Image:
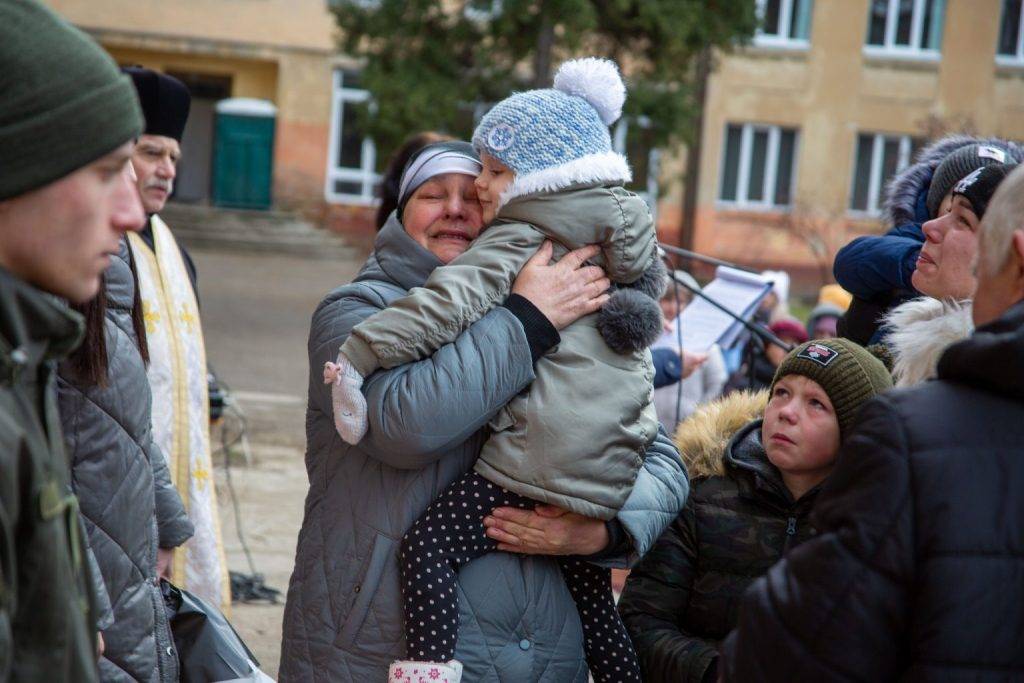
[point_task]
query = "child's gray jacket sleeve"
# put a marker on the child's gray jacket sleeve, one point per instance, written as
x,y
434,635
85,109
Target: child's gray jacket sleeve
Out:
x,y
455,296
634,245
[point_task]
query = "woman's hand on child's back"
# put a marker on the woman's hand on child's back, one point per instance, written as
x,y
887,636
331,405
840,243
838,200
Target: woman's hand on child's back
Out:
x,y
546,530
563,291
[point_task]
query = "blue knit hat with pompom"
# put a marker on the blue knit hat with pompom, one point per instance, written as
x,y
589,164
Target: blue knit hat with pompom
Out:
x,y
558,137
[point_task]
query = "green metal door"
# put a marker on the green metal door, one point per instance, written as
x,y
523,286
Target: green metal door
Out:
x,y
243,160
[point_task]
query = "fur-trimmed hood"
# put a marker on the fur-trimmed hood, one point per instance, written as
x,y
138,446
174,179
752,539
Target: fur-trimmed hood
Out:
x,y
702,438
905,194
919,331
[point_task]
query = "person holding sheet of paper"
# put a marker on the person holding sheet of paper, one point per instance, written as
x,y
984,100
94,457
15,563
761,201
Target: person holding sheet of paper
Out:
x,y
699,376
706,323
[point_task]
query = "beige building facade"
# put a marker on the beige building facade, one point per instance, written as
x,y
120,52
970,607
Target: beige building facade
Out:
x,y
277,51
804,126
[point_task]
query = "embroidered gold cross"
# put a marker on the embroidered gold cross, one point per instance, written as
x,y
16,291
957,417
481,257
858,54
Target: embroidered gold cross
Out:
x,y
187,318
201,475
150,317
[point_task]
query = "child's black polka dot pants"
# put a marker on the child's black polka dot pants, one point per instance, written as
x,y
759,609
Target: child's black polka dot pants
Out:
x,y
451,533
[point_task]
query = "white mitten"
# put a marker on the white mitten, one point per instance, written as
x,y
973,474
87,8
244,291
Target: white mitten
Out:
x,y
409,671
347,399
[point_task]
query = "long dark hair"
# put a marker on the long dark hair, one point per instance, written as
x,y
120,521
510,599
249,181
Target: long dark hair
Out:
x,y
89,360
396,164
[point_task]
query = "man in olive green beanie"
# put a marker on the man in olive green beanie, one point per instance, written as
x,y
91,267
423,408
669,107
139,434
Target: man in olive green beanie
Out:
x,y
848,373
64,101
68,120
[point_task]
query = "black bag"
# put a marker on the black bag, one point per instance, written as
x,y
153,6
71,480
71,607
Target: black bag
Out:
x,y
209,648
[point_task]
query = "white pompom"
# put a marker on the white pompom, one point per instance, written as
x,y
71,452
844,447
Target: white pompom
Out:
x,y
598,82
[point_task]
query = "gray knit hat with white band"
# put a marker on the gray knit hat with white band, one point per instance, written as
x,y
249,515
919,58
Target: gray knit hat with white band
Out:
x,y
438,158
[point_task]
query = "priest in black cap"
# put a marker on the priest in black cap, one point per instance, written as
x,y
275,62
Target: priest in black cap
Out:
x,y
165,104
177,357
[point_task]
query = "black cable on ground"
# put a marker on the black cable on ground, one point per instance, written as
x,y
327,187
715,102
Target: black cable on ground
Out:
x,y
244,587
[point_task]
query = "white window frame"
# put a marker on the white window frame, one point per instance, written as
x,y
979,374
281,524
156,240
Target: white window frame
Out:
x,y
770,168
875,188
1018,58
889,48
762,39
365,175
619,133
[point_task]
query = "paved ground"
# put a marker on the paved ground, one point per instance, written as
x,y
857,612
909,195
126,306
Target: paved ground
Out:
x,y
256,310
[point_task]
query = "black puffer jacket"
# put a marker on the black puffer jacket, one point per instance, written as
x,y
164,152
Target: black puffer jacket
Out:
x,y
918,572
127,500
684,596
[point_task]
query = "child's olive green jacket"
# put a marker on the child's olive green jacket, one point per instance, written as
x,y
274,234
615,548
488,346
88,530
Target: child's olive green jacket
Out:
x,y
584,392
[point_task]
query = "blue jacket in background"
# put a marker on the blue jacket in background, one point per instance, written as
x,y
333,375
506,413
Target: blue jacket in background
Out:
x,y
878,264
668,367
873,265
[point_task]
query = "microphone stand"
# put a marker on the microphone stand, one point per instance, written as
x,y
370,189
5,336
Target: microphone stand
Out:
x,y
686,253
759,330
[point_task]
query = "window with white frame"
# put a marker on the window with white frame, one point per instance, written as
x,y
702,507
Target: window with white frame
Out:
x,y
878,158
352,176
905,28
1011,38
758,165
784,23
633,138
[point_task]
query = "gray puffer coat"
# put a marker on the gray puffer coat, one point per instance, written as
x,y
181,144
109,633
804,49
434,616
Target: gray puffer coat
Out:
x,y
343,617
128,503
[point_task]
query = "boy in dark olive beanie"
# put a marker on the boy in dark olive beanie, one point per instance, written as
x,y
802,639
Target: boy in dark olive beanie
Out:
x,y
753,484
67,121
847,372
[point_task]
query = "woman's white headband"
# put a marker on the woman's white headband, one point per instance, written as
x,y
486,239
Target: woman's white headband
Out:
x,y
431,164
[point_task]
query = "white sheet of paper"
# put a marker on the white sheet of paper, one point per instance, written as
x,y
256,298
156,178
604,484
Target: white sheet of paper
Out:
x,y
704,325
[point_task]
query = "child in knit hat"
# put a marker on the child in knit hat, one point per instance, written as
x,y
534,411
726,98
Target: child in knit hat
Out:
x,y
755,471
575,437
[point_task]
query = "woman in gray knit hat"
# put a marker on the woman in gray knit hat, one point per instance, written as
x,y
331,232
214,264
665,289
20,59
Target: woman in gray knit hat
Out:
x,y
919,330
878,270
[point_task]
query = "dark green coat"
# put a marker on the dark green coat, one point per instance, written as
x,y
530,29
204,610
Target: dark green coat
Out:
x,y
683,597
46,631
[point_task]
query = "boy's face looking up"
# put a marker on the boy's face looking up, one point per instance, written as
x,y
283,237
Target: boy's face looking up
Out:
x,y
492,181
800,433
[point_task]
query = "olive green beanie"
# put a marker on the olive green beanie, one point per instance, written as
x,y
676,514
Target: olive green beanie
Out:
x,y
849,374
65,104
